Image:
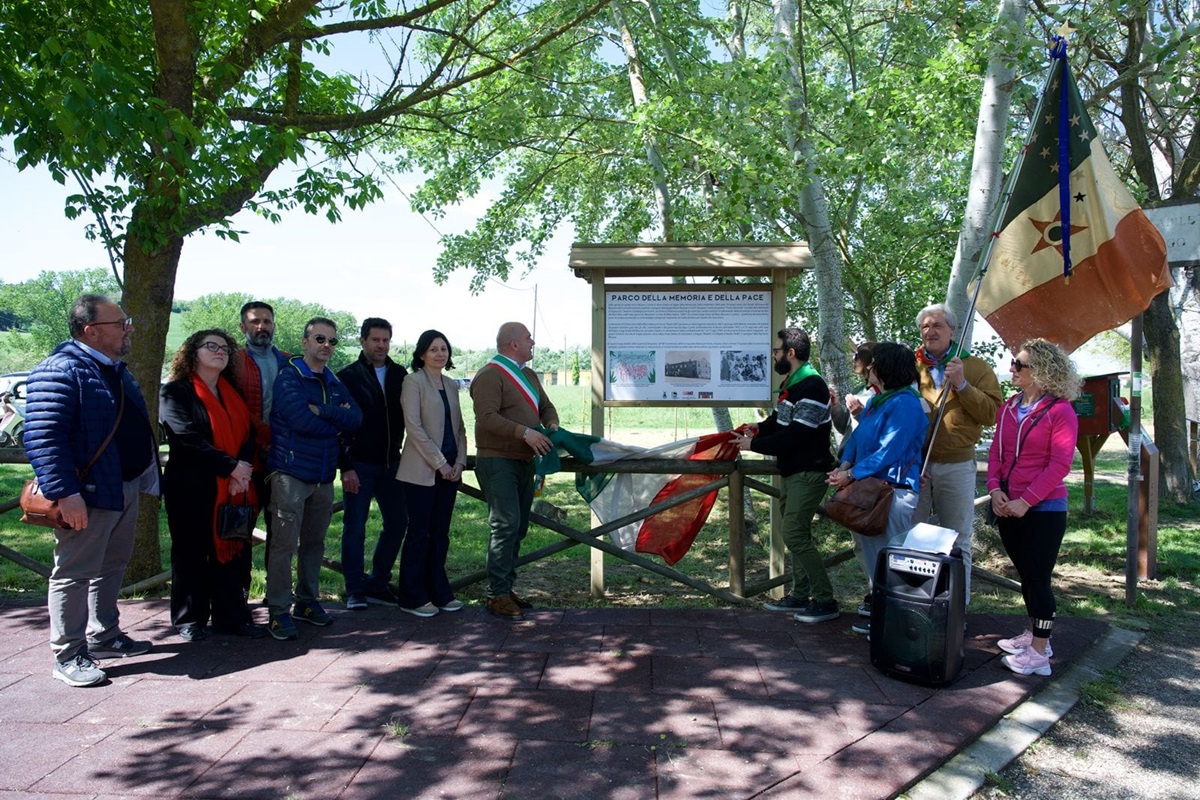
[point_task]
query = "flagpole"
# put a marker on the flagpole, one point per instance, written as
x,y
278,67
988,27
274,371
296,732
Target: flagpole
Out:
x,y
985,257
1006,199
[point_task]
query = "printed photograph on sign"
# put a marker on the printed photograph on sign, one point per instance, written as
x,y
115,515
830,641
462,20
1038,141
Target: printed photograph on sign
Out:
x,y
687,365
631,367
743,366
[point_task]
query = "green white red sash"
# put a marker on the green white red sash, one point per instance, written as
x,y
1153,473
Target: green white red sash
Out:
x,y
512,370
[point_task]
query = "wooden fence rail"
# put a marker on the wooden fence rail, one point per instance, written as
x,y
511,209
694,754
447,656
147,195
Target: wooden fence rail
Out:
x,y
731,475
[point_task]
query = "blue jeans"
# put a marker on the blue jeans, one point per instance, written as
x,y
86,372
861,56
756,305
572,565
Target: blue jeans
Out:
x,y
374,481
507,486
423,562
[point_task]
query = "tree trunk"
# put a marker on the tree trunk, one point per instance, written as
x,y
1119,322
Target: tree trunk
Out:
x,y
637,87
1166,380
814,208
148,295
985,188
1159,327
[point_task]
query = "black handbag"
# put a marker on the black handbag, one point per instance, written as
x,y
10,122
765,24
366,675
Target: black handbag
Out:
x,y
235,521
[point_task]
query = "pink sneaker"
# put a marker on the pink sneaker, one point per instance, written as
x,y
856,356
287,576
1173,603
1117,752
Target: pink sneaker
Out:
x,y
1028,662
1022,642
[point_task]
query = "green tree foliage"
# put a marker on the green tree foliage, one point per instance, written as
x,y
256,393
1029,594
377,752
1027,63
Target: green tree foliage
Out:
x,y
171,115
223,311
891,97
41,308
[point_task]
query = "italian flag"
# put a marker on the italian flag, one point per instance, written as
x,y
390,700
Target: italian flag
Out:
x,y
668,533
1076,256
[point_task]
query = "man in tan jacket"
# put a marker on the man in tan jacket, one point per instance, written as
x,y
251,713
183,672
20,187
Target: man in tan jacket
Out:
x,y
948,486
510,406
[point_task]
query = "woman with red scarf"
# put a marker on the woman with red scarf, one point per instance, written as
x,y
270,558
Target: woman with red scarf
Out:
x,y
211,448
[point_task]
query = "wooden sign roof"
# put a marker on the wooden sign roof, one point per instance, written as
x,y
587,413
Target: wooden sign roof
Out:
x,y
657,259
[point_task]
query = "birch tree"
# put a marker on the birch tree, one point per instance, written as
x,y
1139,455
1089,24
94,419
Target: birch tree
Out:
x,y
987,162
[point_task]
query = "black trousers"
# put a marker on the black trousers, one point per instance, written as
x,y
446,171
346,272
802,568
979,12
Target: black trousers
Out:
x,y
1033,542
202,588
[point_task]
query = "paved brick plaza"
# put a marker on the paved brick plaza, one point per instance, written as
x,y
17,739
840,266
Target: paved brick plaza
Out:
x,y
589,703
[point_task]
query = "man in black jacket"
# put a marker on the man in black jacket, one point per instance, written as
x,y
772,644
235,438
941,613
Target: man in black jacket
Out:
x,y
798,434
369,468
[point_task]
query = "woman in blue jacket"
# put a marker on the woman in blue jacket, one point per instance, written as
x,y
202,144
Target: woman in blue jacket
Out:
x,y
887,444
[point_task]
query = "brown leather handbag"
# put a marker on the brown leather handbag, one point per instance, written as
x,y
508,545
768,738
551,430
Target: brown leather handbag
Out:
x,y
37,509
861,506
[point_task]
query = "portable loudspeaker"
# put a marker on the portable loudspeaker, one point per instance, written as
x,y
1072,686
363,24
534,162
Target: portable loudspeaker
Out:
x,y
917,615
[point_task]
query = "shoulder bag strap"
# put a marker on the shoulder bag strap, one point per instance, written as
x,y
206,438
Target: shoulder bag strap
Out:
x,y
107,439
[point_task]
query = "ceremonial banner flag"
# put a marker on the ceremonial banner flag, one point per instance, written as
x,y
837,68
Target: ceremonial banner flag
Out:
x,y
1074,257
668,533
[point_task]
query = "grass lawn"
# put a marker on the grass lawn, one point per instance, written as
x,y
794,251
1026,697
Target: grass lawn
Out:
x,y
1089,579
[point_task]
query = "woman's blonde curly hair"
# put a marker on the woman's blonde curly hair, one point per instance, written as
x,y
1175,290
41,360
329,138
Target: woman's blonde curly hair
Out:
x,y
1052,369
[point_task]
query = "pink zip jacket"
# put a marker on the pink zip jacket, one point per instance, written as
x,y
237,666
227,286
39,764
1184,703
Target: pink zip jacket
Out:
x,y
1046,449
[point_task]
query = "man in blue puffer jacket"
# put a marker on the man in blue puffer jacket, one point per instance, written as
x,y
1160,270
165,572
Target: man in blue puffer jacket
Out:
x,y
310,410
84,405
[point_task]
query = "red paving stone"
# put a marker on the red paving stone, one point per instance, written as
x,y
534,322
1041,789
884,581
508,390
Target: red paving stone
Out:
x,y
611,704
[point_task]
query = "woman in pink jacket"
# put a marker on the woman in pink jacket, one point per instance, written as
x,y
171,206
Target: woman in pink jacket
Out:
x,y
1031,454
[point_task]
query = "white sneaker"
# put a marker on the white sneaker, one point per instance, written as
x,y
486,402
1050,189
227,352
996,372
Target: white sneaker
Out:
x,y
81,670
1023,642
1028,662
427,610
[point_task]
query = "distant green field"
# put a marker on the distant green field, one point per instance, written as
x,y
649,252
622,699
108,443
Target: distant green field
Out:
x,y
175,335
645,427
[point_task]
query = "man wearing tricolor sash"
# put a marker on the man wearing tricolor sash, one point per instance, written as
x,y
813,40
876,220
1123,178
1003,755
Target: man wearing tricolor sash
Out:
x,y
798,434
973,397
510,410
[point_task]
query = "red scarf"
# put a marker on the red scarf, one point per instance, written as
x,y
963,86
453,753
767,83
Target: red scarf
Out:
x,y
953,351
230,421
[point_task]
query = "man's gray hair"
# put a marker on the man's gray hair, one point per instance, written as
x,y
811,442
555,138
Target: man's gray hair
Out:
x,y
84,311
938,308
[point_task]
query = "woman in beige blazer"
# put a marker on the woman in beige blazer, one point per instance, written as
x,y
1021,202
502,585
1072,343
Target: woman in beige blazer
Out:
x,y
431,466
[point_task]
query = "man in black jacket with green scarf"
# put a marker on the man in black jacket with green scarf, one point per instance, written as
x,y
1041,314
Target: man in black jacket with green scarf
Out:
x,y
798,434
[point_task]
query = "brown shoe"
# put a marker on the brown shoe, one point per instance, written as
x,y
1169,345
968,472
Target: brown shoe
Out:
x,y
504,607
520,603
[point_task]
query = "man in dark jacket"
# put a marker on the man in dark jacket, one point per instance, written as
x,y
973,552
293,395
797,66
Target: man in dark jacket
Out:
x,y
310,410
261,361
85,410
369,468
798,434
